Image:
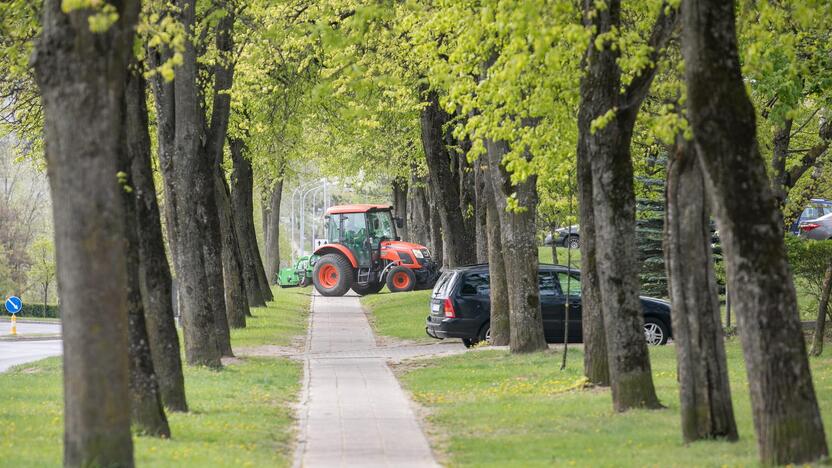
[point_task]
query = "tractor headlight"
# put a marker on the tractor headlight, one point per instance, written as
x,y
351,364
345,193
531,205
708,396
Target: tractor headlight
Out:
x,y
418,253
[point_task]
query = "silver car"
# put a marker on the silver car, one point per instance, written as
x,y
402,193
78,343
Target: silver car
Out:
x,y
817,229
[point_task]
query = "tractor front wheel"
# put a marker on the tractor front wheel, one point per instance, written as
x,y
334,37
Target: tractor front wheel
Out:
x,y
333,275
401,279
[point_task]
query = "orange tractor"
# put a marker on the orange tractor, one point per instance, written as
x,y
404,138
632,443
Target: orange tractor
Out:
x,y
363,253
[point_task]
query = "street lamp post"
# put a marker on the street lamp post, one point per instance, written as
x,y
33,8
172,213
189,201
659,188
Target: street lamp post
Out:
x,y
303,215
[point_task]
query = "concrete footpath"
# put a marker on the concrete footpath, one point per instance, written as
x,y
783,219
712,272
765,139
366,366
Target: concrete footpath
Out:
x,y
353,411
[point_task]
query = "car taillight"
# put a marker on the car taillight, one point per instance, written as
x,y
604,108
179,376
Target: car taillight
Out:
x,y
808,227
449,309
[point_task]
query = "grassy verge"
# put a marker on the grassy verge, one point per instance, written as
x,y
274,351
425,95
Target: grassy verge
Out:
x,y
490,408
399,315
544,255
240,416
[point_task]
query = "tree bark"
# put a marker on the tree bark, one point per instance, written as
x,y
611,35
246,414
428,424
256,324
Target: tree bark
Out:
x,y
147,415
596,359
608,153
500,320
457,228
399,189
785,410
704,391
437,247
242,192
481,211
420,215
235,298
273,239
193,184
81,76
519,248
154,272
780,153
823,307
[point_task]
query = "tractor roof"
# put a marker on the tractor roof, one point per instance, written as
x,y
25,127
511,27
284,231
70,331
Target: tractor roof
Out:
x,y
359,208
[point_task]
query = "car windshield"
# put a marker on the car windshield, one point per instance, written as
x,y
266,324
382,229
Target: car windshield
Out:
x,y
381,225
444,284
814,211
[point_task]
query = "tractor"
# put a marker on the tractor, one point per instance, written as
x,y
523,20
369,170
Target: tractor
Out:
x,y
298,275
363,253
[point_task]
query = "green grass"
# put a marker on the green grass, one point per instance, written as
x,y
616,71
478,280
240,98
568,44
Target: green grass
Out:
x,y
490,408
240,416
544,255
399,315
279,323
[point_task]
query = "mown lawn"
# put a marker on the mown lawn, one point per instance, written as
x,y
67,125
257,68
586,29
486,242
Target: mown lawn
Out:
x,y
399,315
240,416
489,408
544,255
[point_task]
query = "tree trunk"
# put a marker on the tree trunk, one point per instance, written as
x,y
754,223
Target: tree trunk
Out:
x,y
555,248
399,187
519,248
147,415
420,216
784,406
163,96
457,229
780,153
481,211
193,184
236,298
596,359
273,239
81,76
823,306
704,391
608,153
500,321
437,246
242,192
154,271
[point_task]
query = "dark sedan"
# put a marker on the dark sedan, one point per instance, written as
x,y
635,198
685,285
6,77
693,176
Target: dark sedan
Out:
x,y
461,306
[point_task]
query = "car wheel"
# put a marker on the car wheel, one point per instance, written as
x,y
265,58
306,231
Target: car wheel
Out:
x,y
574,242
333,275
469,342
485,333
655,331
401,279
369,288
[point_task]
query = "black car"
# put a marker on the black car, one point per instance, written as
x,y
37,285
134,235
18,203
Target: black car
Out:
x,y
461,307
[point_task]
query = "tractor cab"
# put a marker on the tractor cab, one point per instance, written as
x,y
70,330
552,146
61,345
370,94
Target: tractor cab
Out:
x,y
363,252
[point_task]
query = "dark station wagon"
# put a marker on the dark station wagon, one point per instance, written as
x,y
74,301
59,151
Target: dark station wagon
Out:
x,y
461,306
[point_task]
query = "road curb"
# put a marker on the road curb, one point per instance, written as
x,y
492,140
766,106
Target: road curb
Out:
x,y
30,338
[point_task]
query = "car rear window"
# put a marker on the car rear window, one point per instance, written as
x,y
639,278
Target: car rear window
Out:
x,y
444,284
475,284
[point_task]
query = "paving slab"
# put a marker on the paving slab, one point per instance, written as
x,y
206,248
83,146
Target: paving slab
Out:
x,y
353,411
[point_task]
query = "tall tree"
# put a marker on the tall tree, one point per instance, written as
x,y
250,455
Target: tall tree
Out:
x,y
457,228
235,298
154,271
273,196
705,394
193,189
242,207
606,119
498,281
784,407
145,400
80,65
519,248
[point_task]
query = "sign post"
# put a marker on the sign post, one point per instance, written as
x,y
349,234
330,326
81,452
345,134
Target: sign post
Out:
x,y
13,306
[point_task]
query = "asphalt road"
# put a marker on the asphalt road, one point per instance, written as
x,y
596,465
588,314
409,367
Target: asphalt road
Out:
x,y
13,353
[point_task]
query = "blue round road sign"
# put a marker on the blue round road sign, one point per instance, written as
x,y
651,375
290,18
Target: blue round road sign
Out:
x,y
14,304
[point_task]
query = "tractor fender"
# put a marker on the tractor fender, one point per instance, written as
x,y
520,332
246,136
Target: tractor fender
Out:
x,y
339,249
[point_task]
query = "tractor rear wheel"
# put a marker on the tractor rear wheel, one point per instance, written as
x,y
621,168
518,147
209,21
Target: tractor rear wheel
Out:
x,y
401,279
368,288
333,275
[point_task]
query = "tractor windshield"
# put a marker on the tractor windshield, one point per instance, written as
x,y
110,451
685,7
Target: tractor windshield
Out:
x,y
381,225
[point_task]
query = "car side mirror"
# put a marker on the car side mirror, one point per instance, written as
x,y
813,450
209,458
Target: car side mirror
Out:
x,y
399,222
